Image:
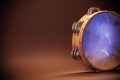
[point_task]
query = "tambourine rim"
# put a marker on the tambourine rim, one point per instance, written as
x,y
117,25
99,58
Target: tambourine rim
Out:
x,y
81,33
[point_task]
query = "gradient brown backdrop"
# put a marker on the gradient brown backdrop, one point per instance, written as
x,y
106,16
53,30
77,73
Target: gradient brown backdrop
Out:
x,y
36,36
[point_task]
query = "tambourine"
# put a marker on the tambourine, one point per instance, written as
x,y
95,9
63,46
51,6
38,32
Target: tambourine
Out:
x,y
96,39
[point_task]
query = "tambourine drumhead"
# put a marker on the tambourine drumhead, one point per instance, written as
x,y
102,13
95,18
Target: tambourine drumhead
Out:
x,y
101,41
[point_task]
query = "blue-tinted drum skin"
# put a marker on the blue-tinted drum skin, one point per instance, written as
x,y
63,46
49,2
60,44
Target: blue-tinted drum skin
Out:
x,y
101,41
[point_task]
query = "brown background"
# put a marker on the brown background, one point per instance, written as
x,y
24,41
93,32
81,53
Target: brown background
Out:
x,y
36,36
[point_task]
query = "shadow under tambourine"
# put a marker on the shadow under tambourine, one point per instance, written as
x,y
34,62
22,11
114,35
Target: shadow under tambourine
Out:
x,y
91,73
107,75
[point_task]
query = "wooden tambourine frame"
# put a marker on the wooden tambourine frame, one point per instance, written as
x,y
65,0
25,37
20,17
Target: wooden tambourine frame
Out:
x,y
77,37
